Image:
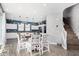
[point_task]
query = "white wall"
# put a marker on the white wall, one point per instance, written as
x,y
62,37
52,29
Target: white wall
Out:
x,y
0,24
54,33
2,27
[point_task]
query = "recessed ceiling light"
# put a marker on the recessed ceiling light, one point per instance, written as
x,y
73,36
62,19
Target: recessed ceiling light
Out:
x,y
7,9
45,5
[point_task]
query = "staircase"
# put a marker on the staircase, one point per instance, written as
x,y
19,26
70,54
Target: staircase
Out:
x,y
72,40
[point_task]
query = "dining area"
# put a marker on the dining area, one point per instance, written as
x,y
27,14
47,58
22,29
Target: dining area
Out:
x,y
30,37
33,43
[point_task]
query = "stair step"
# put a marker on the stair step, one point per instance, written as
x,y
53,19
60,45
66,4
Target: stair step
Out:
x,y
73,47
72,40
73,44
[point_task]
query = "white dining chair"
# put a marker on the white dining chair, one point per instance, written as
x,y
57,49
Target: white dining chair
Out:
x,y
36,44
44,43
1,49
23,43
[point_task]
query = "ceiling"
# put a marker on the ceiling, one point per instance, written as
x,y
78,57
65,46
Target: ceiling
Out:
x,y
30,10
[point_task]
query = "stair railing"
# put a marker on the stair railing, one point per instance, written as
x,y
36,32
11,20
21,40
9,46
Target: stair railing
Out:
x,y
64,41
